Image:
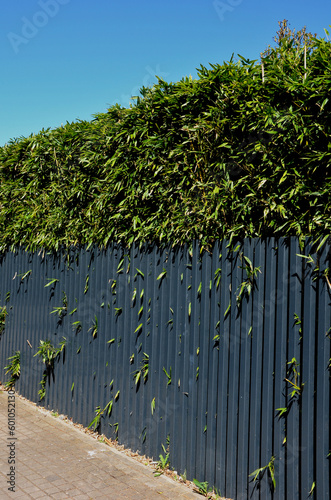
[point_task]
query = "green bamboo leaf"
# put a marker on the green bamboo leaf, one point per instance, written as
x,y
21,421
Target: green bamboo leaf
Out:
x,y
326,100
323,240
25,275
119,267
118,311
109,407
162,275
87,279
312,489
51,282
140,273
137,377
249,262
227,310
168,375
139,327
281,411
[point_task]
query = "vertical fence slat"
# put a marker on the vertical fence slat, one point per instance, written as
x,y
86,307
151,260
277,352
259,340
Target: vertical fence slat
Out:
x,y
174,413
142,308
186,281
269,322
280,367
117,302
293,355
107,351
213,366
223,375
204,291
233,389
244,392
322,360
162,356
138,349
193,311
115,370
256,337
154,296
308,377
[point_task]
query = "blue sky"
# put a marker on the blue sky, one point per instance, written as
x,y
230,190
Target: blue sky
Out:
x,y
64,60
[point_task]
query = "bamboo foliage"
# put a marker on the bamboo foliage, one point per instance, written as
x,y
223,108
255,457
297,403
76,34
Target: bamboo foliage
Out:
x,y
225,155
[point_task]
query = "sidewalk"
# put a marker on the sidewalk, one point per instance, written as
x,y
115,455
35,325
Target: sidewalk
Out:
x,y
54,459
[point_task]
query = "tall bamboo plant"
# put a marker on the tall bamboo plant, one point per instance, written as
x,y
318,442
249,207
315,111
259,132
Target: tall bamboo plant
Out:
x,y
224,155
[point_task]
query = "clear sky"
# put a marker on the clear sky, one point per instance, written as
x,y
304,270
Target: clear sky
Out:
x,y
63,60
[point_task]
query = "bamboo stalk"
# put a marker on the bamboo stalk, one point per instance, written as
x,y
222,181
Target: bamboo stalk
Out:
x,y
305,61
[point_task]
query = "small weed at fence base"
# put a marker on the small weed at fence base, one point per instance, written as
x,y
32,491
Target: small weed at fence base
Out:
x,y
203,487
14,368
164,461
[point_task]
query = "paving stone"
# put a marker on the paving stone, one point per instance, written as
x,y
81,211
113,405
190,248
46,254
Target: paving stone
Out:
x,y
30,489
37,495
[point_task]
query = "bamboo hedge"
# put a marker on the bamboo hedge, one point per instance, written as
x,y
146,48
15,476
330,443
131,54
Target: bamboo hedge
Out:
x,y
230,154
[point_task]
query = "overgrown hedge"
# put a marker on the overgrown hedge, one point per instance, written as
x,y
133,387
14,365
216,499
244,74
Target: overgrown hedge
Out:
x,y
221,156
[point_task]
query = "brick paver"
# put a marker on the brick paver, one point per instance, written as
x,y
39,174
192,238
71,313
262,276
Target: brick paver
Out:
x,y
56,460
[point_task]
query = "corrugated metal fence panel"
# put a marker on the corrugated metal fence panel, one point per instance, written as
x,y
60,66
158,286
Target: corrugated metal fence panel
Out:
x,y
203,351
221,359
323,364
213,366
244,385
233,387
223,374
268,321
309,335
182,323
175,357
256,333
280,367
293,353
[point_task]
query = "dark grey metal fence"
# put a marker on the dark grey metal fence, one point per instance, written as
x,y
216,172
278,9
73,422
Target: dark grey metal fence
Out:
x,y
224,355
